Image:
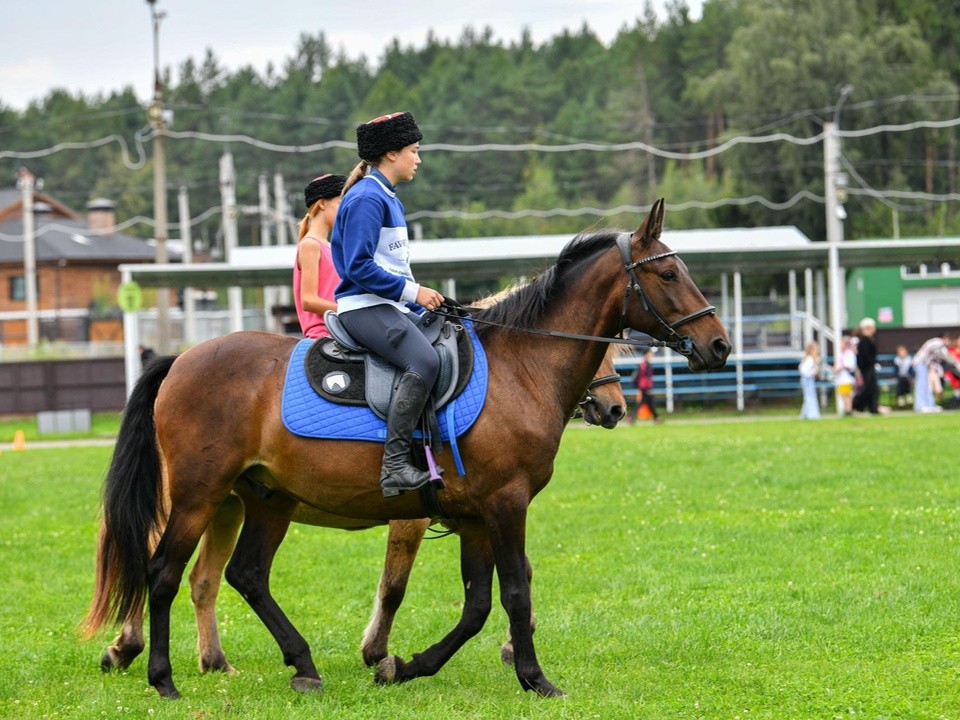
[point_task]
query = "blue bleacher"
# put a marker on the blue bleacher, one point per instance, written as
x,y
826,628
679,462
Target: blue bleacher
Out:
x,y
766,376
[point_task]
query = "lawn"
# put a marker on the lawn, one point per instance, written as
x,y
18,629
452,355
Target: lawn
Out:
x,y
754,568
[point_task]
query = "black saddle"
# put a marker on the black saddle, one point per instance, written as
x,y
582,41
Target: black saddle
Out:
x,y
342,371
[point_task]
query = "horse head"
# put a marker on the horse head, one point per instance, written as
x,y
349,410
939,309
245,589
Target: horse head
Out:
x,y
664,302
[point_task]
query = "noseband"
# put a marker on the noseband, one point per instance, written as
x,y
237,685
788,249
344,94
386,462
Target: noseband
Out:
x,y
588,396
683,343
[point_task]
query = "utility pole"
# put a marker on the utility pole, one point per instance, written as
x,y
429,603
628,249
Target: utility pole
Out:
x,y
155,114
835,193
280,198
269,293
26,182
228,201
189,301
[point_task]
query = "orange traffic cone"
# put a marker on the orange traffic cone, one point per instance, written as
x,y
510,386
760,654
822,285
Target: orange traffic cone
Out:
x,y
643,413
19,440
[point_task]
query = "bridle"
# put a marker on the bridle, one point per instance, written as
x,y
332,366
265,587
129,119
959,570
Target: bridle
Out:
x,y
683,343
596,382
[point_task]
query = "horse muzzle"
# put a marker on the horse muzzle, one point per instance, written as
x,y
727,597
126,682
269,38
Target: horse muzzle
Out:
x,y
711,356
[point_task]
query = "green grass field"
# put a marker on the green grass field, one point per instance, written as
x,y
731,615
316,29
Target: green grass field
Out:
x,y
734,569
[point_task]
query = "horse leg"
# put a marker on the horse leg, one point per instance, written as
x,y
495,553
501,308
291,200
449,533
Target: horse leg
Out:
x,y
128,644
508,538
264,528
476,569
215,550
216,546
506,650
164,572
403,543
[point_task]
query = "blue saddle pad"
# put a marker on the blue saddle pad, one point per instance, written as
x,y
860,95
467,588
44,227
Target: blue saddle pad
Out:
x,y
307,414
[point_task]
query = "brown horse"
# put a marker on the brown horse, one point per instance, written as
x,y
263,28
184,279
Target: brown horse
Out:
x,y
603,404
210,423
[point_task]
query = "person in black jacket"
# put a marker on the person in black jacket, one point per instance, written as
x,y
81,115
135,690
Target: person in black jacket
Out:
x,y
867,398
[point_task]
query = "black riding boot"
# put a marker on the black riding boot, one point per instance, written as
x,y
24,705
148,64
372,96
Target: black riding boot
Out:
x,y
397,474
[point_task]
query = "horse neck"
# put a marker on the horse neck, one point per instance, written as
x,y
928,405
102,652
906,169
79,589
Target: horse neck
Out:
x,y
562,368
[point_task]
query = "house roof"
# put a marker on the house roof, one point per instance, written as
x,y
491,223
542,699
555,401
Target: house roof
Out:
x,y
63,234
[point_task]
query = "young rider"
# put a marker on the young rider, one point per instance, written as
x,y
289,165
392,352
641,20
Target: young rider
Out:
x,y
314,277
377,288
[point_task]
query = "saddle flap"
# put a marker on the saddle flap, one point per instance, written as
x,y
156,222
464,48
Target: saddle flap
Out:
x,y
342,372
339,332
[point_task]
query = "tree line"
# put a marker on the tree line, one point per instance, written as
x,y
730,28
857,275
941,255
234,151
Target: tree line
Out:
x,y
680,84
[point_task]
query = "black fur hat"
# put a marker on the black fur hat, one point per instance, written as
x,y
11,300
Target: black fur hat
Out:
x,y
386,133
325,186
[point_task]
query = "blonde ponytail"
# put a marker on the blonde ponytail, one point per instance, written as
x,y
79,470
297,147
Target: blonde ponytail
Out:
x,y
362,168
305,223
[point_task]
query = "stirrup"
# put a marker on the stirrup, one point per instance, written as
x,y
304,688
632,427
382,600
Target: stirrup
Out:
x,y
404,479
390,491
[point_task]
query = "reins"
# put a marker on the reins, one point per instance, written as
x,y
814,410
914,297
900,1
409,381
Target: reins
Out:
x,y
683,344
456,311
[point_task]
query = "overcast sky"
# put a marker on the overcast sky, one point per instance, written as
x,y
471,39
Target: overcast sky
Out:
x,y
93,46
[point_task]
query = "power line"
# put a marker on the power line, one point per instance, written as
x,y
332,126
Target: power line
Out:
x,y
865,190
481,147
86,145
119,227
797,198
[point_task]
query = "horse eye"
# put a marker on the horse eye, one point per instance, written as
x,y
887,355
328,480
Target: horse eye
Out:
x,y
669,275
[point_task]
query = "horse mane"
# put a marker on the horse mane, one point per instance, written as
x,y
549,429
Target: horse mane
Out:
x,y
524,306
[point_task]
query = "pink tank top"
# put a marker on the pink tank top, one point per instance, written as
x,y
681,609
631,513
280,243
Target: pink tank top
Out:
x,y
311,324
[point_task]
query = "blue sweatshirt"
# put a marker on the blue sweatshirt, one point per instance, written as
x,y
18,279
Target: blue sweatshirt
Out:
x,y
370,248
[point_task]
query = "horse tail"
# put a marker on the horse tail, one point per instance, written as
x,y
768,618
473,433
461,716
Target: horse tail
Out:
x,y
131,507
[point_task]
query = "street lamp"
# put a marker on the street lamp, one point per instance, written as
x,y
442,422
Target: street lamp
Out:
x,y
155,115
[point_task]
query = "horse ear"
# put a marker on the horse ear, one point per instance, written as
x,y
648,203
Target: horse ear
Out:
x,y
652,225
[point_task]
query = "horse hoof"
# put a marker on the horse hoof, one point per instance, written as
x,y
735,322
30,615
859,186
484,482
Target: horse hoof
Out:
x,y
306,684
108,663
549,690
170,693
506,654
386,671
217,665
372,657
542,687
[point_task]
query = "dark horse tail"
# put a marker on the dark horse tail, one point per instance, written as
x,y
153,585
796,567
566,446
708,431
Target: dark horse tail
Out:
x,y
131,507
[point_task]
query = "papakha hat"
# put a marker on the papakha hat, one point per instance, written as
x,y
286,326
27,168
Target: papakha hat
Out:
x,y
323,187
385,133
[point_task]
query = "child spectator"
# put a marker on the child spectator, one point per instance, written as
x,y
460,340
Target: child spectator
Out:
x,y
903,361
843,373
809,372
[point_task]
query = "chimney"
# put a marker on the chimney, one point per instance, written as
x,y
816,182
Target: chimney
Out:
x,y
101,215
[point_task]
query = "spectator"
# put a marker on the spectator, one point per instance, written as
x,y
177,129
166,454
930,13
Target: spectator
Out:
x,y
928,365
867,398
903,361
809,372
952,376
643,381
843,373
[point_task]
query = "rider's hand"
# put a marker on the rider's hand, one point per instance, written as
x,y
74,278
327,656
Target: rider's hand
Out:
x,y
428,298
